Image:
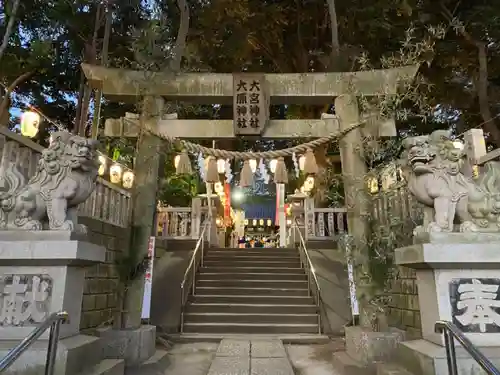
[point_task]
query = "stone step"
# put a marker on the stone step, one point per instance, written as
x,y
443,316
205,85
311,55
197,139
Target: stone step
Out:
x,y
218,317
244,328
108,367
251,257
251,299
251,268
244,283
237,308
257,263
348,366
218,276
250,291
255,249
391,369
297,338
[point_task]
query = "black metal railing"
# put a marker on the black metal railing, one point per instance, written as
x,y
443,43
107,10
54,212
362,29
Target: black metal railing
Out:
x,y
451,333
54,323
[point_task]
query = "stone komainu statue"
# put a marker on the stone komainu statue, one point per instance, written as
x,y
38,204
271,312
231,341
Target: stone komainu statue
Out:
x,y
433,165
65,177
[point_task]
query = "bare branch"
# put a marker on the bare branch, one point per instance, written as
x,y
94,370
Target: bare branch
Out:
x,y
10,28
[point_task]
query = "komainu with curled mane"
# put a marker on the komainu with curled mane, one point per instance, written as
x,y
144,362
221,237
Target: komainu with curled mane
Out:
x,y
433,167
65,177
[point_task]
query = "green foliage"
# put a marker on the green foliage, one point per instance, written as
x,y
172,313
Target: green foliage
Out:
x,y
178,190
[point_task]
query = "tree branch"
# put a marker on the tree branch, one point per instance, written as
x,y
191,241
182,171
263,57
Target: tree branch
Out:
x,y
481,82
10,28
6,98
180,42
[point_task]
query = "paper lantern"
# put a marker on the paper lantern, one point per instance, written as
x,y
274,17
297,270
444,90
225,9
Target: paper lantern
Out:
x,y
102,165
269,222
219,188
246,221
309,184
261,222
254,222
128,180
115,173
30,123
176,161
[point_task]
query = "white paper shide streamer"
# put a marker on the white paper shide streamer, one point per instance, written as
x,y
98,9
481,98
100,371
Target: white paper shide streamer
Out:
x,y
296,165
229,173
201,166
263,172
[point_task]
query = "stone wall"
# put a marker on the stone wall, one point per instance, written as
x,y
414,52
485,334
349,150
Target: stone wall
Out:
x,y
100,298
404,310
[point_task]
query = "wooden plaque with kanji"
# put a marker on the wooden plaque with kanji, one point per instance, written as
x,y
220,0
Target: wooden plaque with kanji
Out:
x,y
250,103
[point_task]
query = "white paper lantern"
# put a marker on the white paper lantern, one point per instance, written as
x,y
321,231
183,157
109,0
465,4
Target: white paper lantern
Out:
x,y
176,160
115,173
128,179
30,123
102,165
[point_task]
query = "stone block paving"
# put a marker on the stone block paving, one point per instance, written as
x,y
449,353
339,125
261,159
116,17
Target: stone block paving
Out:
x,y
251,357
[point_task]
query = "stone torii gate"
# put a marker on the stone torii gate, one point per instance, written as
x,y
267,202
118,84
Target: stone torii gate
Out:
x,y
208,88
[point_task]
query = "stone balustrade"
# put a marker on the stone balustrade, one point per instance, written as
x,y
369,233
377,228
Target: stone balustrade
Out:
x,y
109,203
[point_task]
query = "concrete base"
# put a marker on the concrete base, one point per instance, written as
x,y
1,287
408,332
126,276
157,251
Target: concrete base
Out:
x,y
367,347
421,357
135,346
79,354
458,280
42,273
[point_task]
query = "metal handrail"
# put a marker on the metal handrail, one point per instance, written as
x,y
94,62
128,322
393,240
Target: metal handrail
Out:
x,y
451,332
192,267
311,272
53,322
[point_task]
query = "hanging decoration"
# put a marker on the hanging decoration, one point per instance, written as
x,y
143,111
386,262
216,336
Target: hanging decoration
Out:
x,y
263,172
183,163
229,173
295,165
211,174
246,175
201,166
310,166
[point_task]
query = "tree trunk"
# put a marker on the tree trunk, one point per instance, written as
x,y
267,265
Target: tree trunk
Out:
x,y
10,27
104,62
483,97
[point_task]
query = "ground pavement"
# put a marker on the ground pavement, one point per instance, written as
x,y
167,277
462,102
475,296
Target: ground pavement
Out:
x,y
251,357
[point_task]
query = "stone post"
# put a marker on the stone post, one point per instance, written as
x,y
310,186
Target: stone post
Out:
x,y
143,205
458,280
195,217
353,173
310,224
42,272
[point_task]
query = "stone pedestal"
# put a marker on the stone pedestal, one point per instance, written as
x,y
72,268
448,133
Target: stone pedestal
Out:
x,y
41,273
458,280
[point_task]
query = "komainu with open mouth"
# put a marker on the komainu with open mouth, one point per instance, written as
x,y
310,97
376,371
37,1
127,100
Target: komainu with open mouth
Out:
x,y
433,170
66,176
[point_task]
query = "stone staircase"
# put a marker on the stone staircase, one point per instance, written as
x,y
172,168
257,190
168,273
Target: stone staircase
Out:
x,y
251,291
